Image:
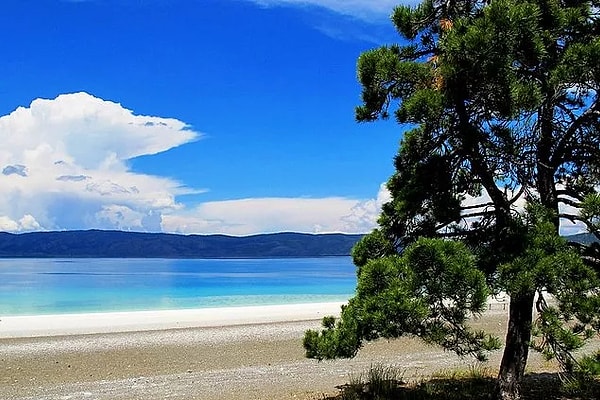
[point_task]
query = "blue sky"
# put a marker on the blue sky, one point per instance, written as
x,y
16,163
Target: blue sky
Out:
x,y
190,116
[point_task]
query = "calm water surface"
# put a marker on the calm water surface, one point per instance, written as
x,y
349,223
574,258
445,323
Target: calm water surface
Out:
x,y
57,286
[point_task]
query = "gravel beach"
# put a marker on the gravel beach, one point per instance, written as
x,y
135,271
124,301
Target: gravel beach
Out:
x,y
237,361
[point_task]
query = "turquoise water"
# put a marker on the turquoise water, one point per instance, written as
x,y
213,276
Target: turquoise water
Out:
x,y
60,286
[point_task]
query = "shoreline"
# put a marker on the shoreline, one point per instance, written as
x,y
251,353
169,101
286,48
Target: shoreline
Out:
x,y
48,325
155,320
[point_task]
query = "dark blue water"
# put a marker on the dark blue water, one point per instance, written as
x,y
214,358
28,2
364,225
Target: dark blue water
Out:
x,y
53,286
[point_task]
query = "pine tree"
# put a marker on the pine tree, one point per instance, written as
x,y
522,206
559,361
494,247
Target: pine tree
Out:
x,y
501,151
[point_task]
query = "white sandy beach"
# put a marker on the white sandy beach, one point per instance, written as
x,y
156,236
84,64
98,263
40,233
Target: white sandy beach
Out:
x,y
208,354
115,322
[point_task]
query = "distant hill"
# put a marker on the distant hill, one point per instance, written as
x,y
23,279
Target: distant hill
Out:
x,y
583,238
119,244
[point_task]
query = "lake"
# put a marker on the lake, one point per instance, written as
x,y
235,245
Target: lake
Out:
x,y
61,286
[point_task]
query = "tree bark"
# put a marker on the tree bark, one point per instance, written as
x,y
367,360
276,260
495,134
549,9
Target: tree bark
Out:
x,y
545,180
518,337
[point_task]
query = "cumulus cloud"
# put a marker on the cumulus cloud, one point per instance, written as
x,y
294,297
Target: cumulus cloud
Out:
x,y
361,9
26,223
64,165
248,216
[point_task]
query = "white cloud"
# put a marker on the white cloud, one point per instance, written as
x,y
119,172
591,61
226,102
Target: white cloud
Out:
x,y
7,224
25,224
248,216
85,131
566,228
569,228
361,9
64,165
28,223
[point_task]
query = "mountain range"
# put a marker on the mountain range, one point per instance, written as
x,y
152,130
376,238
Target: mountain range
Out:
x,y
120,244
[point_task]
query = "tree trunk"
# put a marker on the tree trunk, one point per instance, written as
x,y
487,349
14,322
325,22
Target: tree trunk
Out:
x,y
516,351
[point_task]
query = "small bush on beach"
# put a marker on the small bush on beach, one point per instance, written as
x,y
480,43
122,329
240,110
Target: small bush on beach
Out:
x,y
378,383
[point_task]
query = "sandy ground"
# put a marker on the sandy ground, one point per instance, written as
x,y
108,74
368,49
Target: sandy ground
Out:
x,y
238,361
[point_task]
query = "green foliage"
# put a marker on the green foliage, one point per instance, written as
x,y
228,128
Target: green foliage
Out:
x,y
590,210
546,259
335,340
430,291
409,21
376,69
551,267
502,108
590,365
585,378
370,247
